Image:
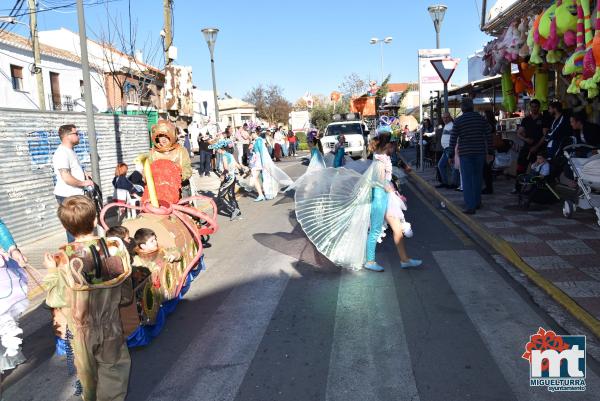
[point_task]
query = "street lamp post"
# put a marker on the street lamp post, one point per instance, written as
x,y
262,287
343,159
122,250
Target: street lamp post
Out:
x,y
437,16
386,40
210,35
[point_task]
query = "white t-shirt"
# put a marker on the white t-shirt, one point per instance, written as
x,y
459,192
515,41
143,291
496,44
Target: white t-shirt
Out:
x,y
445,141
65,158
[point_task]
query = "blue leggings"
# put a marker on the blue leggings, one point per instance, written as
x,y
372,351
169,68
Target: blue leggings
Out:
x,y
378,207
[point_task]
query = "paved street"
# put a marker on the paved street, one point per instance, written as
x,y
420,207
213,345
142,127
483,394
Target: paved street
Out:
x,y
271,319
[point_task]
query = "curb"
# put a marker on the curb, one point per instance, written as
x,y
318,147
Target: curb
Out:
x,y
508,252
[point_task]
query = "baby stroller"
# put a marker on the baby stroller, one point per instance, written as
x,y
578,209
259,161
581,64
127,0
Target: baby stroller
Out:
x,y
586,171
535,189
503,158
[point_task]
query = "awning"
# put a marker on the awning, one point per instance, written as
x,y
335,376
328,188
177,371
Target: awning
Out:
x,y
519,9
476,85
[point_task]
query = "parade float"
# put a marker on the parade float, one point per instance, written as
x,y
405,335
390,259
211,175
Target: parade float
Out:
x,y
179,223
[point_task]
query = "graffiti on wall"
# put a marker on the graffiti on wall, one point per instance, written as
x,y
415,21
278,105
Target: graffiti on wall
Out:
x,y
41,145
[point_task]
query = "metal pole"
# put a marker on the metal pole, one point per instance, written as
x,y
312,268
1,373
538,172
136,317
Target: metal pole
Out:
x,y
168,36
381,52
437,38
87,96
214,82
37,70
446,97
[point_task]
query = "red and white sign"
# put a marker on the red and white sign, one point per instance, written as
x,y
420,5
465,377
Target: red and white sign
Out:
x,y
445,67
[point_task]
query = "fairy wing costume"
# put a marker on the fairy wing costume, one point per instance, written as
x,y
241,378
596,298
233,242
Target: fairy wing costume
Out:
x,y
13,302
333,208
273,178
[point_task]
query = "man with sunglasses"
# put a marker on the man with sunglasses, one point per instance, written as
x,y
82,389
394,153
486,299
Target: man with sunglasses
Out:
x,y
70,176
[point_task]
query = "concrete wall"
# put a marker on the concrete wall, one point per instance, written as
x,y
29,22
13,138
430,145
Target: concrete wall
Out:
x,y
29,138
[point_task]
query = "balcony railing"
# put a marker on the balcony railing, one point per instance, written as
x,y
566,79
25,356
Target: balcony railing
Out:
x,y
63,103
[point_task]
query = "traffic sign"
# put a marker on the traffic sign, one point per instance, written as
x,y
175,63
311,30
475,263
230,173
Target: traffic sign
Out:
x,y
445,67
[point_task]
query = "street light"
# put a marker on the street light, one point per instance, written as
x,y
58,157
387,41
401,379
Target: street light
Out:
x,y
386,40
437,16
210,35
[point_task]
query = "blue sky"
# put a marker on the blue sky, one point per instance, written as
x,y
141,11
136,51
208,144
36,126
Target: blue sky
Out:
x,y
301,46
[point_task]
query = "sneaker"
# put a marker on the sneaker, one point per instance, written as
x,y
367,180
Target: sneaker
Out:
x,y
260,198
268,197
441,186
514,191
373,266
411,263
235,214
469,211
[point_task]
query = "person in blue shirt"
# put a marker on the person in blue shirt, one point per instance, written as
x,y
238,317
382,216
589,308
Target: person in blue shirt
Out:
x,y
339,151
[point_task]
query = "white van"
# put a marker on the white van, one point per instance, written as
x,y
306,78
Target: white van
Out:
x,y
356,135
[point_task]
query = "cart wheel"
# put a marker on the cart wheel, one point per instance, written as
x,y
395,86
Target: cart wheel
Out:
x,y
568,209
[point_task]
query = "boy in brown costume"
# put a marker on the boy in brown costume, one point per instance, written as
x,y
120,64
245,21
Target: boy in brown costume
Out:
x,y
87,281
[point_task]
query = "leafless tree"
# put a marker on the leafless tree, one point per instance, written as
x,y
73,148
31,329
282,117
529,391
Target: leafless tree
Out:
x,y
132,68
270,103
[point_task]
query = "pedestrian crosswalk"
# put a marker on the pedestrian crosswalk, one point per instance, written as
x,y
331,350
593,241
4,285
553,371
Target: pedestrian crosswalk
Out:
x,y
265,323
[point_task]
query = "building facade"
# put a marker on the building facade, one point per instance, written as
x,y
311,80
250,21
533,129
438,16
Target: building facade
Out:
x,y
62,77
128,82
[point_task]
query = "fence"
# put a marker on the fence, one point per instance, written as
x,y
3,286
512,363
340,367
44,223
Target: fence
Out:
x,y
28,139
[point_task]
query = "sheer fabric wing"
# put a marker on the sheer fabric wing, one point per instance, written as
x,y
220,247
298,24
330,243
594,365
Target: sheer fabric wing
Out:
x,y
316,163
333,208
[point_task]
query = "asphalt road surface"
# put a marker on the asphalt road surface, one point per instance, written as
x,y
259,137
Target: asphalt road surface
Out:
x,y
271,319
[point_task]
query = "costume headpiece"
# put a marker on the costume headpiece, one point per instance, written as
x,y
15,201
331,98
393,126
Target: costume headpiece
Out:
x,y
164,128
221,144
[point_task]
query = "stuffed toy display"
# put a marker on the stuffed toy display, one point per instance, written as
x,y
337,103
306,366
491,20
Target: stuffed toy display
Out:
x,y
541,87
566,21
508,92
574,64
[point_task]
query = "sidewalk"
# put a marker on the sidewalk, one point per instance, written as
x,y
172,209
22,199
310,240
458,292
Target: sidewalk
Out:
x,y
566,252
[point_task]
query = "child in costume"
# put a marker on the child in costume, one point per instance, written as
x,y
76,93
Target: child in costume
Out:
x,y
123,233
13,300
339,151
268,179
317,161
166,147
226,194
149,254
87,281
334,207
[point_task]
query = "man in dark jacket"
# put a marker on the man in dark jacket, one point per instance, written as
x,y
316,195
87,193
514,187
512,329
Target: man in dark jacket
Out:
x,y
585,132
473,134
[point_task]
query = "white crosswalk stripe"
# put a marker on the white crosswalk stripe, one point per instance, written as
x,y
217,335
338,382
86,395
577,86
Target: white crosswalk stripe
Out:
x,y
502,319
369,357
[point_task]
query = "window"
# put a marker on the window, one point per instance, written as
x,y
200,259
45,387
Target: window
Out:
x,y
81,88
246,118
55,91
16,73
132,95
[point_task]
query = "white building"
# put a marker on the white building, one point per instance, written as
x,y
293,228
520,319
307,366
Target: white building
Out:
x,y
235,112
127,70
61,72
